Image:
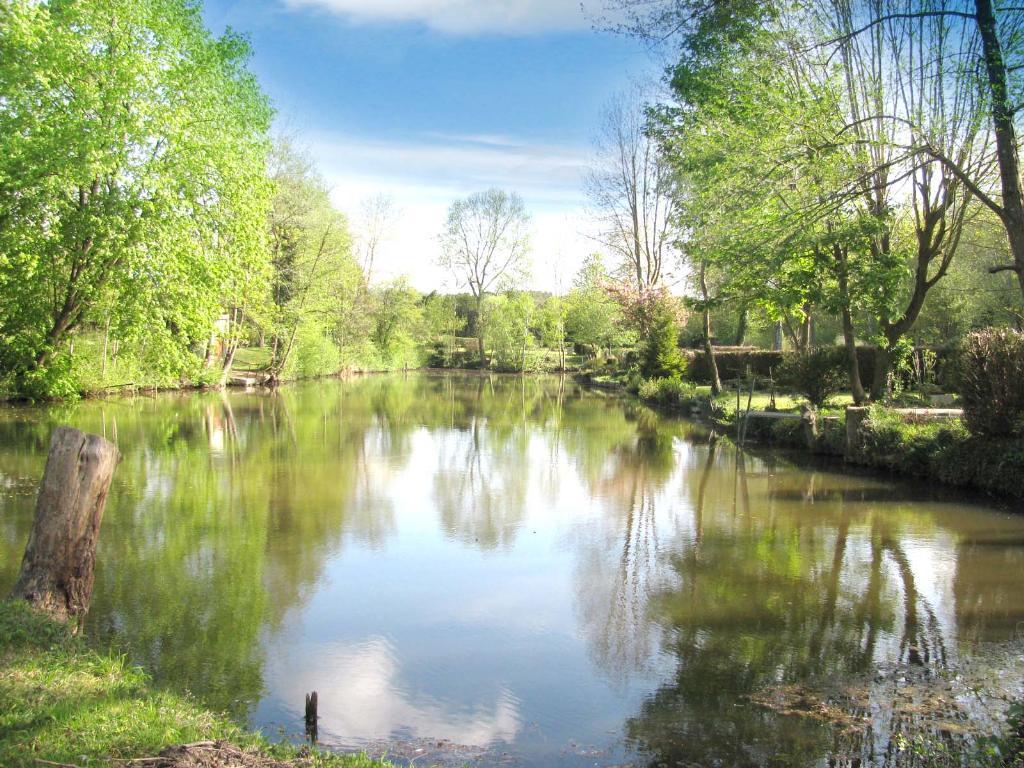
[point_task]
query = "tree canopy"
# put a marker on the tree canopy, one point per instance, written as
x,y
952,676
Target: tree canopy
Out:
x,y
132,178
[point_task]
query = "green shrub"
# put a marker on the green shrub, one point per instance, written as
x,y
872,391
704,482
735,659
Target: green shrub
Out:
x,y
991,382
784,432
660,355
55,381
314,354
817,375
670,392
944,451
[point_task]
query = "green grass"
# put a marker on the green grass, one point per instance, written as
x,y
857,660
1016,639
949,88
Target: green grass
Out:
x,y
252,359
943,451
762,399
64,703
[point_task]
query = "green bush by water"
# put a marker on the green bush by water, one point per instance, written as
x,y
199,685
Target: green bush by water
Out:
x,y
818,374
944,451
667,391
991,382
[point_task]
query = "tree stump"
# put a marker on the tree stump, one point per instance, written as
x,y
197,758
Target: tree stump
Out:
x,y
311,716
855,418
58,569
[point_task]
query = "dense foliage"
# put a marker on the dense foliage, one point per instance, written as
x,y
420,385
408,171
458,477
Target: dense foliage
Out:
x,y
991,382
133,191
944,452
817,374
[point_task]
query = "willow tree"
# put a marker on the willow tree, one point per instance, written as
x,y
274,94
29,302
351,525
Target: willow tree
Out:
x,y
910,97
751,143
484,244
132,172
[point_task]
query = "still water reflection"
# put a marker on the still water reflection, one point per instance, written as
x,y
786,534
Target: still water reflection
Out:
x,y
515,566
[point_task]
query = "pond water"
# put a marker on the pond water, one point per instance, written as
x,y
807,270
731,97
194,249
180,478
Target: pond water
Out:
x,y
520,571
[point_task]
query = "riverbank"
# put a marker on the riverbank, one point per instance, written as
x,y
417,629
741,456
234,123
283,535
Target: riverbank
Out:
x,y
63,704
914,443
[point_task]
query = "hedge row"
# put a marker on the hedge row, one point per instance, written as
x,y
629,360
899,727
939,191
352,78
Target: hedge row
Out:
x,y
735,363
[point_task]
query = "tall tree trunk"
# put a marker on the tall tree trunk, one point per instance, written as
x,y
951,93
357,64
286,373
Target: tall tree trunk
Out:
x,y
709,349
852,361
233,340
880,379
849,335
62,323
58,570
480,329
807,330
741,327
1005,135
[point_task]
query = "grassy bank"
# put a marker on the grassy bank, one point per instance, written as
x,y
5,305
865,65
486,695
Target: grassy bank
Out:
x,y
942,451
63,703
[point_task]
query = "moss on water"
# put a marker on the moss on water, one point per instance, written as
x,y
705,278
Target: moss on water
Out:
x,y
61,702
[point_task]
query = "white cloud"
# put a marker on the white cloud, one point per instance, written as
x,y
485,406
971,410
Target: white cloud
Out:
x,y
425,174
463,17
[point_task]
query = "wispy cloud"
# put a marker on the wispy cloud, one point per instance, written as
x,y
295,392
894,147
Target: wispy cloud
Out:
x,y
445,166
462,17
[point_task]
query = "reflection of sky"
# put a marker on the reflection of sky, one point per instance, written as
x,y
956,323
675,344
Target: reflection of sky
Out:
x,y
481,645
513,606
364,697
538,636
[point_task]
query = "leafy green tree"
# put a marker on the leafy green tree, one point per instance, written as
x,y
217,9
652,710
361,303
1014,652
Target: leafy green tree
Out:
x,y
443,324
132,172
397,322
828,131
508,321
593,318
661,357
314,271
484,244
551,326
656,316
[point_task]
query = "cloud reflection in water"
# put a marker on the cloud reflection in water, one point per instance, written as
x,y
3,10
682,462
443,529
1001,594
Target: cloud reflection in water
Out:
x,y
363,700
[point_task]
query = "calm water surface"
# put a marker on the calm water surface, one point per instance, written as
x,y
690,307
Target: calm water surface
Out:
x,y
520,571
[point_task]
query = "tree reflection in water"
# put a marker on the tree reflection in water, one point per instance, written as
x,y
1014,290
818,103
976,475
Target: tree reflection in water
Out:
x,y
772,589
558,541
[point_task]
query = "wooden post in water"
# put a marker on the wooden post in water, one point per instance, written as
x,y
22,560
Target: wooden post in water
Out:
x,y
311,716
58,569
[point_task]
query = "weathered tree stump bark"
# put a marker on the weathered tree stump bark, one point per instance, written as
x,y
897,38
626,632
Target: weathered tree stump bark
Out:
x,y
58,569
311,716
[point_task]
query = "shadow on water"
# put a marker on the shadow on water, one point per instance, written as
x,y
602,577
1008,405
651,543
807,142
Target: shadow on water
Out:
x,y
473,567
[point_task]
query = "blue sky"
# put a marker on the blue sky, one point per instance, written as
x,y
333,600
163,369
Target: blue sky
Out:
x,y
429,100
